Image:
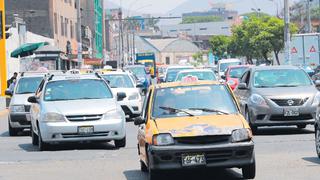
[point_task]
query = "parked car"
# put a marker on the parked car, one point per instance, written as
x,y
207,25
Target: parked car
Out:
x,y
140,72
74,108
193,125
123,82
172,72
233,73
19,108
201,74
225,63
277,96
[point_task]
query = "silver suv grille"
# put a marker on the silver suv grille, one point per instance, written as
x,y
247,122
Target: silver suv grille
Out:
x,y
290,102
94,117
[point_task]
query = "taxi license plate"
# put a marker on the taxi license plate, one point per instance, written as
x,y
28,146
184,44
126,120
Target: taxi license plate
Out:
x,y
291,112
193,159
85,130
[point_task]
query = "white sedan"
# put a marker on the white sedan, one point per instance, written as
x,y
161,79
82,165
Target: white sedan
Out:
x,y
123,82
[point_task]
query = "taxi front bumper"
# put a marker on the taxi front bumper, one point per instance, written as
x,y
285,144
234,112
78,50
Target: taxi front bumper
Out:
x,y
227,155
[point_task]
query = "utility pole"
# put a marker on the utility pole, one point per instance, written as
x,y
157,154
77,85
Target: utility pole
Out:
x,y
120,39
309,26
80,60
287,32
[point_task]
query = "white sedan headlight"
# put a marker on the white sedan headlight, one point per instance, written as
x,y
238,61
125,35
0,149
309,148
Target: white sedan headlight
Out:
x,y
113,114
241,135
162,140
17,108
257,99
54,117
134,96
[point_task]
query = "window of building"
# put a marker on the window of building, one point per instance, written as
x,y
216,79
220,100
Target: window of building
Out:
x,y
173,30
203,29
62,25
55,23
71,30
66,23
167,60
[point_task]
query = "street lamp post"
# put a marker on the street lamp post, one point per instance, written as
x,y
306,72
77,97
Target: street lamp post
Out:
x,y
287,32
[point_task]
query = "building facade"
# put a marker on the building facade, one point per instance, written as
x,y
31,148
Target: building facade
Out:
x,y
55,19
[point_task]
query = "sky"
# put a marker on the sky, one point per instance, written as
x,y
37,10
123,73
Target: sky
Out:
x,y
149,6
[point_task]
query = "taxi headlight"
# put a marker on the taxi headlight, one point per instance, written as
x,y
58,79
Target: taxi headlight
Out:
x,y
17,108
162,140
134,96
241,135
54,117
257,99
113,114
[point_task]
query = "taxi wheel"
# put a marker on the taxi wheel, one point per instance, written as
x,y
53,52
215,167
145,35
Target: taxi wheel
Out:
x,y
143,167
254,129
35,140
120,143
318,141
42,145
249,172
153,174
12,131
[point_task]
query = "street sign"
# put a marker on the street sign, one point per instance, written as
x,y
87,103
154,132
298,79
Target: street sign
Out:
x,y
313,49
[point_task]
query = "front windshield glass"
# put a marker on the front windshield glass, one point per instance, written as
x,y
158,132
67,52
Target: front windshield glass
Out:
x,y
192,99
28,85
224,66
76,90
208,76
237,72
172,73
119,81
138,71
280,78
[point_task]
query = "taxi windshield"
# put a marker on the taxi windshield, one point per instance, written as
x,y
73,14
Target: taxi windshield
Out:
x,y
193,100
76,89
237,72
119,81
201,75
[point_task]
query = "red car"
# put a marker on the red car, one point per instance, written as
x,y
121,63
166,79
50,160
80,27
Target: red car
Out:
x,y
234,73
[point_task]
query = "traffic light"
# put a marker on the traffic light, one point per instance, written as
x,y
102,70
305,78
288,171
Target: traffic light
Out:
x,y
7,29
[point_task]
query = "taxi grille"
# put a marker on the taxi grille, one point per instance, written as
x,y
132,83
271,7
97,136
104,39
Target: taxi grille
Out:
x,y
290,102
27,108
292,118
94,117
203,139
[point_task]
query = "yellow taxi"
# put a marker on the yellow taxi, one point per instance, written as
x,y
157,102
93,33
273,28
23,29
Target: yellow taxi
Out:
x,y
193,124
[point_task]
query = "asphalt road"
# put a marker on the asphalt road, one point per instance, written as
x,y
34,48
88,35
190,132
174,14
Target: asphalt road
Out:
x,y
281,153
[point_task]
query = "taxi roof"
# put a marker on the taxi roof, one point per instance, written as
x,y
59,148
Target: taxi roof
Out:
x,y
61,77
177,84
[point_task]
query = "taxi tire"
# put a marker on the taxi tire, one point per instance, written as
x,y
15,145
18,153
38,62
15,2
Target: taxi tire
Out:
x,y
249,172
42,145
35,140
143,167
120,143
317,141
12,131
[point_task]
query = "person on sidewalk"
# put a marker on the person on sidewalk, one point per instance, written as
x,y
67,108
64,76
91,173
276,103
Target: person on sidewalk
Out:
x,y
12,79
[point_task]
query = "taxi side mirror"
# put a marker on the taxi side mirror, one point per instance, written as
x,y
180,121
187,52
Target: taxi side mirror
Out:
x,y
139,120
223,77
139,85
32,99
317,83
121,96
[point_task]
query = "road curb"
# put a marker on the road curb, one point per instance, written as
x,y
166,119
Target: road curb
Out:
x,y
3,113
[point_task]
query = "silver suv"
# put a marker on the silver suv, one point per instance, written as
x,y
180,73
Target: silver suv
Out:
x,y
19,107
75,108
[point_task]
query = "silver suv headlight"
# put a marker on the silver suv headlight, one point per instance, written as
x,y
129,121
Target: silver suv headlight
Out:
x,y
241,135
54,117
113,114
17,108
258,100
162,140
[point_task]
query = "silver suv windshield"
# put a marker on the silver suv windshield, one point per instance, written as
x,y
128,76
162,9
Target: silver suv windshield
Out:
x,y
76,90
28,85
280,78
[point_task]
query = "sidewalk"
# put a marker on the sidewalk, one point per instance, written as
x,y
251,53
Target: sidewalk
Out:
x,y
3,109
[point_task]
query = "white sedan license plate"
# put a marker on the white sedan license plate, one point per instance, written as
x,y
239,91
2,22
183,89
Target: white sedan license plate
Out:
x,y
193,159
85,130
291,112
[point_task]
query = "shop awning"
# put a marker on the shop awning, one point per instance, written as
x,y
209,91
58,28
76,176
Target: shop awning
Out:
x,y
27,49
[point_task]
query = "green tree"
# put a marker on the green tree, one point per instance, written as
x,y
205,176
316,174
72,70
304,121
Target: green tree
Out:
x,y
219,45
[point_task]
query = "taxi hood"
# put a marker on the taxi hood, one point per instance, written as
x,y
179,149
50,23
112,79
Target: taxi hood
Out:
x,y
200,125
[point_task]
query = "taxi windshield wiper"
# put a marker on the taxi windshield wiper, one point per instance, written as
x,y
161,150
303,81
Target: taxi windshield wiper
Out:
x,y
175,110
209,110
